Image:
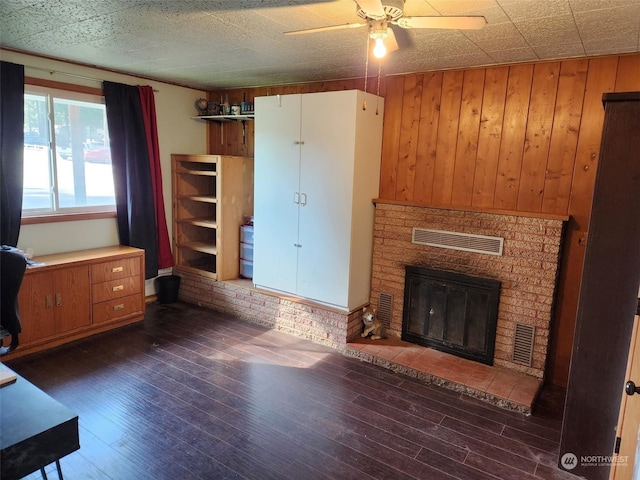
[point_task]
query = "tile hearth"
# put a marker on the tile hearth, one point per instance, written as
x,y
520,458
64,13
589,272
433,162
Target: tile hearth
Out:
x,y
502,387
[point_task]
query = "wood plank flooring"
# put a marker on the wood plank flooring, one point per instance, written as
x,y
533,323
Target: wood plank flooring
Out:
x,y
195,394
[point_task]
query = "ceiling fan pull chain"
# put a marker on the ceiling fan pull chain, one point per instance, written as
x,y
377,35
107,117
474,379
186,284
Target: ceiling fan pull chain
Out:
x,y
378,92
366,67
366,75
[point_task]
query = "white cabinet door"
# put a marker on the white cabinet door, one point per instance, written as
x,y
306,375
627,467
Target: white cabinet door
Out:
x,y
313,214
326,185
276,173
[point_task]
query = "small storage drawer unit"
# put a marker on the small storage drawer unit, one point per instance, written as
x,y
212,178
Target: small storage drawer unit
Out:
x,y
246,251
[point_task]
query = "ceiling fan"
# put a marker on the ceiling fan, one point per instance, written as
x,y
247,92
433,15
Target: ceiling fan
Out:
x,y
381,14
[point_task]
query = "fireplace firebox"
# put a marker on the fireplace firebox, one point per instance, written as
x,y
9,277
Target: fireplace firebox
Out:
x,y
451,312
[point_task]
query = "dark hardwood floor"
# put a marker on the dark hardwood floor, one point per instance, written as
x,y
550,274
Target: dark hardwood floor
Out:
x,y
194,394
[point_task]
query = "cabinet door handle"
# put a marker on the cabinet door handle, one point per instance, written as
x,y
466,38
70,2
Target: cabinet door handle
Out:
x,y
296,198
58,299
48,301
303,196
298,142
118,288
117,269
120,306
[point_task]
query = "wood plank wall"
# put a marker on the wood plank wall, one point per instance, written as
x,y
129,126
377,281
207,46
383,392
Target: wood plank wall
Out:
x,y
523,138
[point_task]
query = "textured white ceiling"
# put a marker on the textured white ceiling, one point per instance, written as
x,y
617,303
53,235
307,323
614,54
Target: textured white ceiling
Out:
x,y
212,44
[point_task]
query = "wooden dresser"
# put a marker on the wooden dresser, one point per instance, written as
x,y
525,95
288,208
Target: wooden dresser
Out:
x,y
72,295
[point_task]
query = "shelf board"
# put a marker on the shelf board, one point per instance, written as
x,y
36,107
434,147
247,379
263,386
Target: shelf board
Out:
x,y
197,271
203,247
200,222
225,118
229,118
198,198
205,173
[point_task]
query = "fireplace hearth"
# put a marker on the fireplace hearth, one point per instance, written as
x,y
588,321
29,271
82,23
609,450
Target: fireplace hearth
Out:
x,y
451,312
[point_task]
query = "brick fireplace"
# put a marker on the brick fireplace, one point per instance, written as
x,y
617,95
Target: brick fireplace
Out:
x,y
527,268
527,271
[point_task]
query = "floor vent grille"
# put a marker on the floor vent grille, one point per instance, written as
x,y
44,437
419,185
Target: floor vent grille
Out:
x,y
523,344
385,307
458,241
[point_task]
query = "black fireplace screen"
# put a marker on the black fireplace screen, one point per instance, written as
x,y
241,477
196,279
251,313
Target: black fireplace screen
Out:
x,y
451,312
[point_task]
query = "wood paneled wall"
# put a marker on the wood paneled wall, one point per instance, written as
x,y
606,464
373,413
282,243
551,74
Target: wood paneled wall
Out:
x,y
521,138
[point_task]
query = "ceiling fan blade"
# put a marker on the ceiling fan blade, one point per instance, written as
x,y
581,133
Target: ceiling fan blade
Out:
x,y
402,36
452,23
373,8
390,42
326,29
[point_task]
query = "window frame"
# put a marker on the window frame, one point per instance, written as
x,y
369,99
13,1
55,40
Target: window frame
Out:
x,y
66,215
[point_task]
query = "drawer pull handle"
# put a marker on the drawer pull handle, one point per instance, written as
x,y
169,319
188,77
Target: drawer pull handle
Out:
x,y
120,306
118,288
117,269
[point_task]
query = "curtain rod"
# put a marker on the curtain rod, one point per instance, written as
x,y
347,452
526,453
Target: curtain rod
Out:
x,y
84,77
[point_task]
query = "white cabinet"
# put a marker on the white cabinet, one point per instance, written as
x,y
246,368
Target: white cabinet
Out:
x,y
317,167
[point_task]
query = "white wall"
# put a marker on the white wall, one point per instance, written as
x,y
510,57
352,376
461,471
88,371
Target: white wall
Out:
x,y
177,133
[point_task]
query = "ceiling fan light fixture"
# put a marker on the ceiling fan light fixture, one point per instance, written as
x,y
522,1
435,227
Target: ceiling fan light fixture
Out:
x,y
378,31
379,9
380,50
380,14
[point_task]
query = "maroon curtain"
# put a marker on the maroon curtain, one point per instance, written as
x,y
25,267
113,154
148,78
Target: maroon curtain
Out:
x,y
165,257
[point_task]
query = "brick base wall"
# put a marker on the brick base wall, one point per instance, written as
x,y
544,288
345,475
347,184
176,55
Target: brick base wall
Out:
x,y
291,315
527,268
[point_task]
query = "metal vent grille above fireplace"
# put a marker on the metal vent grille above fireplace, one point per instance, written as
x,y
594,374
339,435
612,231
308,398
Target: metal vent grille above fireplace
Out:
x,y
458,241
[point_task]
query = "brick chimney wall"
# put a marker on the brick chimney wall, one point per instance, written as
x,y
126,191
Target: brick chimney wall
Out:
x,y
527,269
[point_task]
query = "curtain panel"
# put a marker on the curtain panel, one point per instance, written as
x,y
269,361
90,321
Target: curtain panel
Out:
x,y
165,257
11,150
136,216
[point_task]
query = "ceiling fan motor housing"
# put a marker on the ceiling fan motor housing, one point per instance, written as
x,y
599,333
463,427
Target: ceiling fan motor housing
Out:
x,y
392,9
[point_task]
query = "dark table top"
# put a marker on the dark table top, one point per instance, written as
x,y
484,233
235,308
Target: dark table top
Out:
x,y
35,429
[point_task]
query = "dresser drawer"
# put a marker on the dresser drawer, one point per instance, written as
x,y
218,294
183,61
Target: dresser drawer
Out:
x,y
122,287
118,308
115,269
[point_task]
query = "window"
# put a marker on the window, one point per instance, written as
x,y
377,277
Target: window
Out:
x,y
67,160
